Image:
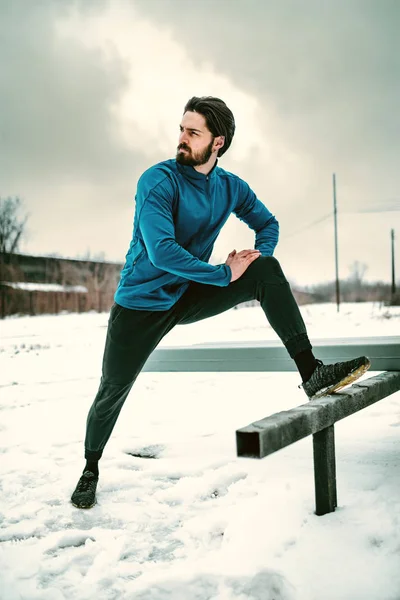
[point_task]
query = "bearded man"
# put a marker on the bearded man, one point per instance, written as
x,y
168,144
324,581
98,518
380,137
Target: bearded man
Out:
x,y
181,207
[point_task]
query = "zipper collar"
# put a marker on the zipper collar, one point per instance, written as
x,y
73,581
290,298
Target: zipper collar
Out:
x,y
191,173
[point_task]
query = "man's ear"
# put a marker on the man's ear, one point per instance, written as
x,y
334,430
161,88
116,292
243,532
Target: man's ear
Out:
x,y
219,142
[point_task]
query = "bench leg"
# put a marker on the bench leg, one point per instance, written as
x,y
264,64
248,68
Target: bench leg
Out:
x,y
325,471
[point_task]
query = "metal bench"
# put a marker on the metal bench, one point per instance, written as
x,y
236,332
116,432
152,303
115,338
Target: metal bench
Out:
x,y
317,417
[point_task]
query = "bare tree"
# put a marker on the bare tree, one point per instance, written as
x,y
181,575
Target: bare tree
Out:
x,y
12,224
357,272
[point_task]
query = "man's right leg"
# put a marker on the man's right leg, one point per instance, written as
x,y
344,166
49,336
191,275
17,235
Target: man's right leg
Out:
x,y
131,337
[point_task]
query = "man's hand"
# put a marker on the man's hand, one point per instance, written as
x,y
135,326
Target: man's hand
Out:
x,y
240,261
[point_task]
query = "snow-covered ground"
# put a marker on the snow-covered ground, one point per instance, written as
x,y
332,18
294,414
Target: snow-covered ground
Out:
x,y
187,519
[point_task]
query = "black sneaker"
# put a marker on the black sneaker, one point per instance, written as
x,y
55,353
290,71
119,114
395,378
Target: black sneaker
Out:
x,y
327,379
84,495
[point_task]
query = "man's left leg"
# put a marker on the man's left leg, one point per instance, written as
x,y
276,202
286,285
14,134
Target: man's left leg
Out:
x,y
264,281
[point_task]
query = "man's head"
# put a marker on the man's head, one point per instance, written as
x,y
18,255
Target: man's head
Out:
x,y
207,129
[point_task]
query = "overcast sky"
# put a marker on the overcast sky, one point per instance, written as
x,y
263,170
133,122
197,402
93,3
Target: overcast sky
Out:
x,y
92,92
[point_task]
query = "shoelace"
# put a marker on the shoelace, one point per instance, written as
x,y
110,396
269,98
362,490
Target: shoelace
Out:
x,y
85,483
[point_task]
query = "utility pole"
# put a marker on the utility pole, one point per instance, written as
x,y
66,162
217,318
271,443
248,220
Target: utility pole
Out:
x,y
336,244
393,269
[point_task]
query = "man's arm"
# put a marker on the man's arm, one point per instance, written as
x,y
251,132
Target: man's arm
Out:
x,y
254,213
154,201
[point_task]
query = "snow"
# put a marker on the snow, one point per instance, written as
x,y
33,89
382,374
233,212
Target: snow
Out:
x,y
45,287
185,519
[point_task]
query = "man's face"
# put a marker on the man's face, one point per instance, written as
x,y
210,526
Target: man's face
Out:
x,y
195,141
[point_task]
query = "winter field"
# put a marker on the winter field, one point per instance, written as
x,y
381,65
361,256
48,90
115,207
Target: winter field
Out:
x,y
179,516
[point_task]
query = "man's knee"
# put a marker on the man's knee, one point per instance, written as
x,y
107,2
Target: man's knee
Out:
x,y
269,269
110,397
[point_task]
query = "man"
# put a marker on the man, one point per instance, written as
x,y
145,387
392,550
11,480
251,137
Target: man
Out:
x,y
181,206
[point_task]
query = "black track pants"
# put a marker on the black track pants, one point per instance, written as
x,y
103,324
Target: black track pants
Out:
x,y
132,335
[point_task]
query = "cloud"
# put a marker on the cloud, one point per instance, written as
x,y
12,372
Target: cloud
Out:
x,y
92,96
326,77
326,73
327,70
92,92
61,148
56,99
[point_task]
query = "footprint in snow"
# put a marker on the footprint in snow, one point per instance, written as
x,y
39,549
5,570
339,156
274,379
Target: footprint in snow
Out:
x,y
154,451
69,540
264,585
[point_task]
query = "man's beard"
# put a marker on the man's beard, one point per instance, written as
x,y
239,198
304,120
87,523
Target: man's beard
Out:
x,y
194,159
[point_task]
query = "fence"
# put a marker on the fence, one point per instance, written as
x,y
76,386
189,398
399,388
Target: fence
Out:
x,y
36,302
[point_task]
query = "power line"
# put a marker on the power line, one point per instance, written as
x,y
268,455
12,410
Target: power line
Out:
x,y
371,210
391,206
387,206
320,220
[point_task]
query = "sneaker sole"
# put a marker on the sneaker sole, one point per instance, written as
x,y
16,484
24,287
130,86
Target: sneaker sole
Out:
x,y
83,507
350,378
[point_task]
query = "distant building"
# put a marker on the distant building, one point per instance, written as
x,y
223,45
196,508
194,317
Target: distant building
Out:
x,y
39,284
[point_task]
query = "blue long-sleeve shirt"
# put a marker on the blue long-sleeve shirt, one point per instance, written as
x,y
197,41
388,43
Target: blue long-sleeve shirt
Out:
x,y
178,216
